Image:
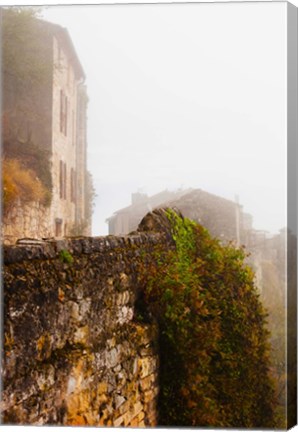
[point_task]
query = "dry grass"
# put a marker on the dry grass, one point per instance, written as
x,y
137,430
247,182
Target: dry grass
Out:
x,y
20,182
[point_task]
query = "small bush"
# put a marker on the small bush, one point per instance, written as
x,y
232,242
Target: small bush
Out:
x,y
34,157
20,182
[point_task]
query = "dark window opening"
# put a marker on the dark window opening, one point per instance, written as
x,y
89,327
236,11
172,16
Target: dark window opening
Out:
x,y
72,185
64,185
58,227
62,180
63,112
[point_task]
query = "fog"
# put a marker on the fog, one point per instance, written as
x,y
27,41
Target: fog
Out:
x,y
184,96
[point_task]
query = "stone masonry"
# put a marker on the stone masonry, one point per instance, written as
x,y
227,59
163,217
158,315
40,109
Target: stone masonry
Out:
x,y
26,220
75,352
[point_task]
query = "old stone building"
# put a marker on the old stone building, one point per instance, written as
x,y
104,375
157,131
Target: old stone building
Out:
x,y
223,218
68,135
52,115
125,220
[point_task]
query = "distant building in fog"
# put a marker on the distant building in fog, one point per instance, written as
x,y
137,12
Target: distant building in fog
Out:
x,y
127,219
223,218
59,126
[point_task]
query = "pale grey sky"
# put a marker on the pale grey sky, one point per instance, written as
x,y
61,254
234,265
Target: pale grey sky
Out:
x,y
190,95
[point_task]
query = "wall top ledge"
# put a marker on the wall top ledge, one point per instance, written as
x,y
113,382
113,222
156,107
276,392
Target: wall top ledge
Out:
x,y
152,230
49,249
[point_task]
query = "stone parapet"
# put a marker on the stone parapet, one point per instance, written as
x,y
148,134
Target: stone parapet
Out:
x,y
75,352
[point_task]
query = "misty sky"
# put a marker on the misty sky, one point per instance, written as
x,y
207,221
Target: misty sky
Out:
x,y
183,96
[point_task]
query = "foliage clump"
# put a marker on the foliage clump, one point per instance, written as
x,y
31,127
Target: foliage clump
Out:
x,y
20,182
65,256
90,195
213,340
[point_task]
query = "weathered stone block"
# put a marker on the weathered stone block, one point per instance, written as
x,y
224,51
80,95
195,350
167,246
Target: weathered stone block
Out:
x,y
148,382
74,310
119,421
113,357
124,314
149,395
119,400
147,366
125,407
81,336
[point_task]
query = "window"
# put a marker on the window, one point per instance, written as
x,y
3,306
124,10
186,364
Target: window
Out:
x,y
72,185
62,180
64,185
63,112
58,227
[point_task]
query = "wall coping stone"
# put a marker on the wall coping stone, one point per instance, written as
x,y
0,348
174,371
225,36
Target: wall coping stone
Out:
x,y
50,249
153,228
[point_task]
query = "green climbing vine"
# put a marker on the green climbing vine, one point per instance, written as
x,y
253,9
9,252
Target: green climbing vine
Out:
x,y
213,337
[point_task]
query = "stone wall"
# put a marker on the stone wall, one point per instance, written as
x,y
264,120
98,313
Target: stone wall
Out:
x,y
75,352
26,220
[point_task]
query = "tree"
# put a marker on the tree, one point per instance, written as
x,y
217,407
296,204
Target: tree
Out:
x,y
90,195
82,227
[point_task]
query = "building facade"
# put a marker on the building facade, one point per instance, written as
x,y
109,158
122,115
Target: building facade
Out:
x,y
55,120
223,218
127,219
69,143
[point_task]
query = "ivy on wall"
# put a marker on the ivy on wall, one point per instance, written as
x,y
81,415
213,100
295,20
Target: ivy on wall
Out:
x,y
213,339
